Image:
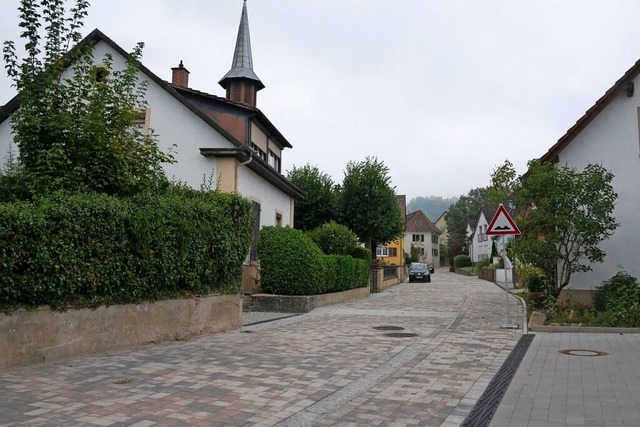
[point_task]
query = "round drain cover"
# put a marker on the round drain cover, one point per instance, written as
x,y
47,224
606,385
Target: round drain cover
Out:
x,y
401,334
583,352
388,328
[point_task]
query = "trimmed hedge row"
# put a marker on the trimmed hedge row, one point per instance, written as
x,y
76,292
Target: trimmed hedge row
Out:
x,y
292,264
85,250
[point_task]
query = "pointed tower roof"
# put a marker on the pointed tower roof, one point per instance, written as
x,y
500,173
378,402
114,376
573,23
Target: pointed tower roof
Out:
x,y
242,66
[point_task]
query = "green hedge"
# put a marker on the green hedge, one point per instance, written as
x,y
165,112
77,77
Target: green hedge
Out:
x,y
461,261
292,264
91,249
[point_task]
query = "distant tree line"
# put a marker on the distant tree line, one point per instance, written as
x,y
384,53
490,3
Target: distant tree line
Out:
x,y
432,206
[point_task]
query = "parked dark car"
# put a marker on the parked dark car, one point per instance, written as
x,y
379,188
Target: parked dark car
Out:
x,y
419,271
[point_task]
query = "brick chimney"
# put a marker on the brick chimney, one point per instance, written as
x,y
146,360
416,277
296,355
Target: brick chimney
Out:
x,y
180,76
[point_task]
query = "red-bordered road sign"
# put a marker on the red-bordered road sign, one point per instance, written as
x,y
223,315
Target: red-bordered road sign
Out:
x,y
502,224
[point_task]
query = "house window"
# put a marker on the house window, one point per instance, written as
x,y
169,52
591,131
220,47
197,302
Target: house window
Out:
x,y
274,161
141,121
100,73
434,252
259,151
393,252
422,251
278,219
418,237
382,251
434,238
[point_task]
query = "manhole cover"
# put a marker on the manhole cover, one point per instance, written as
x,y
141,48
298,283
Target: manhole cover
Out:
x,y
583,352
388,328
400,335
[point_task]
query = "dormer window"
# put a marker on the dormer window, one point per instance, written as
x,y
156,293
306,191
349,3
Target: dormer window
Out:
x,y
259,151
274,161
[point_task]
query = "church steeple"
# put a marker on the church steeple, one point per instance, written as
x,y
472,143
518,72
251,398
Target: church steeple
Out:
x,y
241,82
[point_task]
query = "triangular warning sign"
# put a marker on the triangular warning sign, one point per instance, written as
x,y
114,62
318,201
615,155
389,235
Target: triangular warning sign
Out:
x,y
502,223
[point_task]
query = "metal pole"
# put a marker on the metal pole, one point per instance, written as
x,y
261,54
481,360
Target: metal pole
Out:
x,y
508,324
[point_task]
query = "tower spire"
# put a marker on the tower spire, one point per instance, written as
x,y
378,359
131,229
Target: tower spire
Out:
x,y
241,82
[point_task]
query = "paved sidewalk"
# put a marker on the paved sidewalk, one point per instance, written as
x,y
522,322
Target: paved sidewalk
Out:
x,y
327,367
581,388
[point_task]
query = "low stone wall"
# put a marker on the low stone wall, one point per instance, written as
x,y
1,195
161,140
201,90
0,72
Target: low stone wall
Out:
x,y
303,303
28,337
378,281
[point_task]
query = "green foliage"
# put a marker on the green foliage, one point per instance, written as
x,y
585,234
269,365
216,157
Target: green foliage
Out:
x,y
461,261
12,181
460,213
347,273
503,183
92,249
534,279
319,204
414,255
334,239
360,252
618,301
483,263
290,263
569,213
75,126
367,203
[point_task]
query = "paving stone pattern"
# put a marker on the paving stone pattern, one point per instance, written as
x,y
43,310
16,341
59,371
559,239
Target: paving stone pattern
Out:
x,y
554,389
327,367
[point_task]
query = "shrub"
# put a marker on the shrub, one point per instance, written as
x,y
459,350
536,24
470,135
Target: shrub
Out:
x,y
483,263
331,272
334,239
534,280
618,301
351,272
290,263
360,252
91,249
461,261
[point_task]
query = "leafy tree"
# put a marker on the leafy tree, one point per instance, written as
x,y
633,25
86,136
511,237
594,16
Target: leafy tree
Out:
x,y
367,203
319,205
503,183
75,125
334,239
465,209
568,214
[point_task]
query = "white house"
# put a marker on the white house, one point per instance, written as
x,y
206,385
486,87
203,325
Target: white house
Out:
x,y
608,134
424,235
229,138
480,243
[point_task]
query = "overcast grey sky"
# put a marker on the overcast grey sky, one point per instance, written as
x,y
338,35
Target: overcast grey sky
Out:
x,y
442,91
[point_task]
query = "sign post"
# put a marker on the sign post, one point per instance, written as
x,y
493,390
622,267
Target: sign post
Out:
x,y
503,225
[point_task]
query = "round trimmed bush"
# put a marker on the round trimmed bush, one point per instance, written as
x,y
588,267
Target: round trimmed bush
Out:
x,y
290,263
461,261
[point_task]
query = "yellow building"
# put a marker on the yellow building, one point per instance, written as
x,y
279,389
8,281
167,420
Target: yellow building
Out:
x,y
441,223
393,252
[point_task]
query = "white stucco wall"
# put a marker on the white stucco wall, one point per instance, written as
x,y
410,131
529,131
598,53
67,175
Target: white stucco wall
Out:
x,y
5,141
480,249
254,187
612,140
